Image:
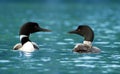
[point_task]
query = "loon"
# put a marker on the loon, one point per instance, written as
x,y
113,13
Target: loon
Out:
x,y
86,46
26,45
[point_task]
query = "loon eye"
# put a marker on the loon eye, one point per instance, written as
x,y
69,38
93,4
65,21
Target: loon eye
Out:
x,y
35,26
78,30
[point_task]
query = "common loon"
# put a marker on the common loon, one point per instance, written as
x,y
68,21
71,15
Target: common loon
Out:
x,y
86,46
26,45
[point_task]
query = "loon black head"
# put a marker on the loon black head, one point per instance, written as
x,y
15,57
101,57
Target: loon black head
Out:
x,y
85,31
31,27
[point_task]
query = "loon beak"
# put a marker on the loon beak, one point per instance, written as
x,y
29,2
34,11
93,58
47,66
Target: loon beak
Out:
x,y
44,30
73,32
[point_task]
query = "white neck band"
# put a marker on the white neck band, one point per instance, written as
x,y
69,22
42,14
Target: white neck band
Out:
x,y
22,36
87,43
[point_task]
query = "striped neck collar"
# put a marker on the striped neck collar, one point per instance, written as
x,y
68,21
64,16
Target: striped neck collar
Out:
x,y
89,43
22,36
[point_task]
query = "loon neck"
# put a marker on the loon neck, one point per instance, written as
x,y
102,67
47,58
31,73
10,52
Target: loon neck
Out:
x,y
24,39
89,43
89,37
22,36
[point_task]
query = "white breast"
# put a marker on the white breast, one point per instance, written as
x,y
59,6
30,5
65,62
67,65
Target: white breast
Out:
x,y
27,47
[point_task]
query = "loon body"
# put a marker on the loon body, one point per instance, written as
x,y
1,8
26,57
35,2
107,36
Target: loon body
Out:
x,y
26,45
86,46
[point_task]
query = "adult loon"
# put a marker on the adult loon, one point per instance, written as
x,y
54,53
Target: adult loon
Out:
x,y
86,46
26,45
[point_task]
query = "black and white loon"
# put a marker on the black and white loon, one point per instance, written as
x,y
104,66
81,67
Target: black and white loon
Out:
x,y
26,45
86,46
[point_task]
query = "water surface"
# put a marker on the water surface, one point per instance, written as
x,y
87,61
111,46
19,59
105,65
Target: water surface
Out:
x,y
55,55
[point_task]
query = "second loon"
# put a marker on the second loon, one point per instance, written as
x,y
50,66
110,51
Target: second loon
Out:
x,y
86,46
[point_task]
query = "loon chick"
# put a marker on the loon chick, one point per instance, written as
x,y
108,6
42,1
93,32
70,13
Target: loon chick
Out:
x,y
86,46
26,45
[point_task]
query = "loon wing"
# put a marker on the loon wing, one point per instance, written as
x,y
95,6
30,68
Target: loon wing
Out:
x,y
17,46
81,48
35,45
95,49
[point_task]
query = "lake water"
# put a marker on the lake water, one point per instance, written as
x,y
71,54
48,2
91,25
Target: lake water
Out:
x,y
55,55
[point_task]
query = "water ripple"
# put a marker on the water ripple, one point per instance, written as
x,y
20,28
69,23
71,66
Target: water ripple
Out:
x,y
85,65
61,43
4,61
45,59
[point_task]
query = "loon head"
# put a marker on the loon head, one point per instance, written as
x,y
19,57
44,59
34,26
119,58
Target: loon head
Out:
x,y
31,27
85,31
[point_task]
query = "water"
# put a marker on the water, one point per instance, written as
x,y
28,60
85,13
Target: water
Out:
x,y
55,55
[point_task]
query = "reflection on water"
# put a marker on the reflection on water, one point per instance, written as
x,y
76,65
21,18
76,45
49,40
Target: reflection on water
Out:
x,y
26,54
55,55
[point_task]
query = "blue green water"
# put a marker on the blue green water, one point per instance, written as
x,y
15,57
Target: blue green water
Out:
x,y
55,55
